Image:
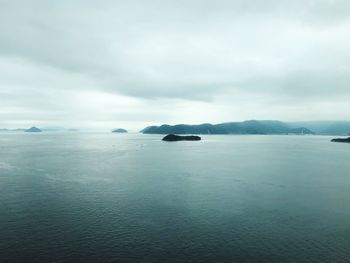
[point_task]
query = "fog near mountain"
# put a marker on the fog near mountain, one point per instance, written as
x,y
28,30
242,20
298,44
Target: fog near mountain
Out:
x,y
105,64
325,127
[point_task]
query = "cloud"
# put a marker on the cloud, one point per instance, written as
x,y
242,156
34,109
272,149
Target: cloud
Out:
x,y
196,51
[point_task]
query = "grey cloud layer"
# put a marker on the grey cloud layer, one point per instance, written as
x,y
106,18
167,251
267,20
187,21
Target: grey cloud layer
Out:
x,y
186,49
281,50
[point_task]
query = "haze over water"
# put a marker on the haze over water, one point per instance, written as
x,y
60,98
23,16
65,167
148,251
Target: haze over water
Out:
x,y
95,197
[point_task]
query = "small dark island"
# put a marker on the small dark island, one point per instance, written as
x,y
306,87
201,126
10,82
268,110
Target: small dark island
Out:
x,y
120,130
174,138
33,129
347,140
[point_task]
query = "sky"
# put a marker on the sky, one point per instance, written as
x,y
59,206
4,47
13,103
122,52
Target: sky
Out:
x,y
104,64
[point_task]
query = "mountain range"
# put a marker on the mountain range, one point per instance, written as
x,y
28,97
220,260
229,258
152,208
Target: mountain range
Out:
x,y
338,128
255,127
246,127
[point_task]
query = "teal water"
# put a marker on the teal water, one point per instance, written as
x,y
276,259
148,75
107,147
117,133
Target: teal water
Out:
x,y
93,197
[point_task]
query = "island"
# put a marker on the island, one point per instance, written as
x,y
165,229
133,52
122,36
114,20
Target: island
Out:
x,y
174,138
347,140
33,129
120,130
246,127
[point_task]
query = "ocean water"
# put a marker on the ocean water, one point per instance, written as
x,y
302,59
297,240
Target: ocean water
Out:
x,y
94,197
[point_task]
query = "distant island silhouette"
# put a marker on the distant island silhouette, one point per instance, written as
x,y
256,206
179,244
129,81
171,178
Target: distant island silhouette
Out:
x,y
267,127
33,129
246,127
120,130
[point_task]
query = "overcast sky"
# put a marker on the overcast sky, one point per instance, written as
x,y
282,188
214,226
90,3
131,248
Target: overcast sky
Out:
x,y
106,63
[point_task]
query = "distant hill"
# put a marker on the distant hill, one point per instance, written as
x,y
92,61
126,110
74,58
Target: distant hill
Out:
x,y
246,127
120,130
325,127
33,129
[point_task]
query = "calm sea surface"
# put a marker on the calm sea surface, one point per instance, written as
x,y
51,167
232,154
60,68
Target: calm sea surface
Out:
x,y
94,197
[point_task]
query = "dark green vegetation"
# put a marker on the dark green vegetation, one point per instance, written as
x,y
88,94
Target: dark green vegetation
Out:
x,y
347,140
33,129
174,138
246,127
120,130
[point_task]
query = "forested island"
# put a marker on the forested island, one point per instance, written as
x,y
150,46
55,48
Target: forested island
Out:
x,y
246,127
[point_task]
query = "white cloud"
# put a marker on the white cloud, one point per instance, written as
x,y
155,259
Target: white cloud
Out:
x,y
113,63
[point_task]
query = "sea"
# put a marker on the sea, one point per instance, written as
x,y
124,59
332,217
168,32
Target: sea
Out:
x,y
105,197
